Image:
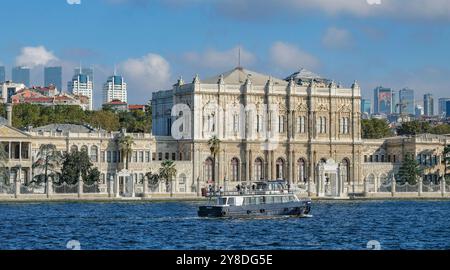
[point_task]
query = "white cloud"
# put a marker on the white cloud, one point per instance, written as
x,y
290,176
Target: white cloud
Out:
x,y
215,59
35,56
145,75
288,57
336,38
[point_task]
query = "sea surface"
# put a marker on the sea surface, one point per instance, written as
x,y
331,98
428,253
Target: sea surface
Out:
x,y
335,225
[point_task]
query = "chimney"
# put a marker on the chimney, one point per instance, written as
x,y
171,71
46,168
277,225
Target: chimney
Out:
x,y
9,112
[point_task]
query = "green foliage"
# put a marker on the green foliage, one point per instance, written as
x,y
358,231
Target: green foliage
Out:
x,y
48,160
409,171
375,129
440,129
153,179
446,161
25,115
414,127
77,163
167,172
3,161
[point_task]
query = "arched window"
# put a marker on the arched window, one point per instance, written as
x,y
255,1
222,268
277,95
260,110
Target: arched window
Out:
x,y
84,148
94,153
301,124
235,170
301,170
74,148
280,168
259,165
345,170
209,170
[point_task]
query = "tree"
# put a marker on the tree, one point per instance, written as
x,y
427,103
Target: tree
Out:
x,y
48,161
375,129
409,171
126,146
167,172
446,161
78,163
414,127
3,160
104,119
153,179
214,147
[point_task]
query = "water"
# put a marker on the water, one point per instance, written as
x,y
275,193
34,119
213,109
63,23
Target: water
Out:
x,y
335,225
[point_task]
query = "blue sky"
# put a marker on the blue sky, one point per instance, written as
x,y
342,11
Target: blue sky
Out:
x,y
397,43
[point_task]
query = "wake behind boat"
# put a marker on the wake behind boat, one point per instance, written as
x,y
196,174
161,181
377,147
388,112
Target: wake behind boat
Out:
x,y
270,198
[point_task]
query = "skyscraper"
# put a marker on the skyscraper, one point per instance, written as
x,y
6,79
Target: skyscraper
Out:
x,y
53,75
115,88
442,106
366,106
21,75
428,105
447,108
406,101
2,74
81,84
86,71
382,100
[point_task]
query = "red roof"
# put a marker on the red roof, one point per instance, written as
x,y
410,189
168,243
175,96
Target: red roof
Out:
x,y
136,107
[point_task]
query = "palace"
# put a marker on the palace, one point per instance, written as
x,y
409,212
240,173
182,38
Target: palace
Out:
x,y
305,129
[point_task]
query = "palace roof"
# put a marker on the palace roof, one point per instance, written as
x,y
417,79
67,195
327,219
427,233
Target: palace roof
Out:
x,y
239,75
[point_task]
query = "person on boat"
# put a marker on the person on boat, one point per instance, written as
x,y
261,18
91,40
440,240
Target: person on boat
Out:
x,y
220,190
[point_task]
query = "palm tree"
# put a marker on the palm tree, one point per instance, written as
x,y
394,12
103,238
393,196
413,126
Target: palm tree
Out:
x,y
167,172
3,160
48,160
214,147
126,146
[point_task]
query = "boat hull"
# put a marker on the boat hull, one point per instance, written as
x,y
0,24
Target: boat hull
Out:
x,y
283,209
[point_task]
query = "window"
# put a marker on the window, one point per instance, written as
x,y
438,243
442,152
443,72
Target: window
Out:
x,y
160,156
258,169
135,156
365,158
394,158
259,123
235,170
235,123
167,156
280,169
322,125
301,124
147,156
153,156
281,124
109,154
301,170
114,157
209,170
141,156
174,156
94,153
103,156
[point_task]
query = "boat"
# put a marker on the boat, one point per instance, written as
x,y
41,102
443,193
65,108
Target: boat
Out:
x,y
268,198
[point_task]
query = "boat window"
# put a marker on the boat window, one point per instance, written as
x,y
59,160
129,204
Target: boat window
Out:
x,y
231,201
277,199
268,200
222,201
292,198
246,201
255,200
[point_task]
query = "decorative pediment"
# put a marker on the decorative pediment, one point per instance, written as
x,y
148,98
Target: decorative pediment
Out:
x,y
9,132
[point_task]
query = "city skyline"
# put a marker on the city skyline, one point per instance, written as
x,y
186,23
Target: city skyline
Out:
x,y
363,38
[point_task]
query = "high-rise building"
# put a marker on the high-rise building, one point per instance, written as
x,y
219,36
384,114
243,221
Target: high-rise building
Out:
x,y
447,108
53,76
406,101
86,71
428,104
2,74
419,111
81,84
9,89
366,106
442,106
21,75
382,100
115,88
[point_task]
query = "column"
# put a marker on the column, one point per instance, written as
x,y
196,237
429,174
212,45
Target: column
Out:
x,y
420,184
49,187
247,166
80,186
366,187
145,187
133,187
18,183
393,185
443,186
110,186
116,186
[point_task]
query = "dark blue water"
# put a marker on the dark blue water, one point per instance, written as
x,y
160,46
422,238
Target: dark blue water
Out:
x,y
335,225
